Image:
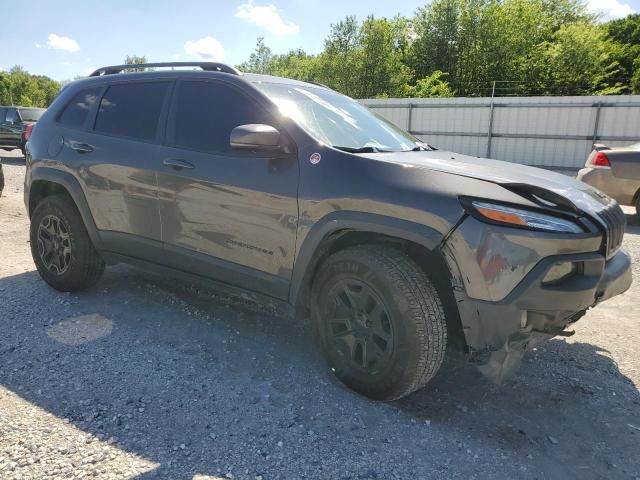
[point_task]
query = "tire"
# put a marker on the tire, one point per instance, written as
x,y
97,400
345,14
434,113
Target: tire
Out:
x,y
407,315
638,207
67,261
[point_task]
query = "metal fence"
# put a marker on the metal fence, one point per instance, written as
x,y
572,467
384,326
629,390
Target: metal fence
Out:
x,y
552,132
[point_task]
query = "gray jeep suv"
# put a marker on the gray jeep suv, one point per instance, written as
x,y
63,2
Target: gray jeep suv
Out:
x,y
396,250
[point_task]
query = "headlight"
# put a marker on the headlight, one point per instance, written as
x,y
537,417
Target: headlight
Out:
x,y
517,217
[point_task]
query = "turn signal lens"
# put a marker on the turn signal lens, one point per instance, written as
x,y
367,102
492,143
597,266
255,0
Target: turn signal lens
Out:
x,y
503,217
524,218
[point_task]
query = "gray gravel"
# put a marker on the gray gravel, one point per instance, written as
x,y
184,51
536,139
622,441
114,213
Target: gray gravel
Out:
x,y
141,378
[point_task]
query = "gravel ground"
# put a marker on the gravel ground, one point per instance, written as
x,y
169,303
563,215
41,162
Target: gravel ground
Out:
x,y
139,378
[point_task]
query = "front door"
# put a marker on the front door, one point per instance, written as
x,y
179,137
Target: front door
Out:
x,y
10,129
226,214
3,113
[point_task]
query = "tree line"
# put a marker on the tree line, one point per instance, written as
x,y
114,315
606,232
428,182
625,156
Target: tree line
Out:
x,y
460,47
19,87
448,48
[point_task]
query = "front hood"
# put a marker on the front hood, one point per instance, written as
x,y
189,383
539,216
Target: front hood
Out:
x,y
583,196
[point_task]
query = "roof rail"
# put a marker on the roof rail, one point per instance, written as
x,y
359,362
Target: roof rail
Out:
x,y
318,84
207,66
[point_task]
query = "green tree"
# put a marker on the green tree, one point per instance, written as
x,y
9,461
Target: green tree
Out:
x,y
434,85
19,87
136,60
581,61
479,41
436,44
625,33
6,94
259,60
295,64
338,62
366,60
462,46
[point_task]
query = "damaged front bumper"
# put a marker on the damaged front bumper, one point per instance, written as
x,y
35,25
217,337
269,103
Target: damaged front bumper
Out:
x,y
545,312
500,327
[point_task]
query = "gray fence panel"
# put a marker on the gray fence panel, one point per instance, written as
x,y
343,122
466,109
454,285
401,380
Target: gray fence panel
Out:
x,y
556,132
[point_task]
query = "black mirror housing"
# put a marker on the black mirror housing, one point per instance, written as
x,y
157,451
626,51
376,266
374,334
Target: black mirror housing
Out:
x,y
255,136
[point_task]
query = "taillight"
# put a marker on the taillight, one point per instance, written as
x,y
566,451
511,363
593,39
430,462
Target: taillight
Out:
x,y
599,159
27,132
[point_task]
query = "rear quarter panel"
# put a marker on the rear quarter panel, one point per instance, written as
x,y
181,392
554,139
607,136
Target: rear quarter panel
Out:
x,y
625,164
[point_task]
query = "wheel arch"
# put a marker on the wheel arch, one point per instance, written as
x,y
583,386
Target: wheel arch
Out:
x,y
48,181
347,229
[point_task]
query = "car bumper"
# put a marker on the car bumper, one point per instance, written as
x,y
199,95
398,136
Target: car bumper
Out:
x,y
534,313
622,190
505,305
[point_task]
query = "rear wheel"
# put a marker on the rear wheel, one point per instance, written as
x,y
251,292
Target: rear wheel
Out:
x,y
380,321
638,206
61,247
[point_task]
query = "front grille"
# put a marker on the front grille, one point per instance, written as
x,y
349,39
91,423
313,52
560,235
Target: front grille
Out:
x,y
615,221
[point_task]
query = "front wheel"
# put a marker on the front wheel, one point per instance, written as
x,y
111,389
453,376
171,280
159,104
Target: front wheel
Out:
x,y
380,321
61,248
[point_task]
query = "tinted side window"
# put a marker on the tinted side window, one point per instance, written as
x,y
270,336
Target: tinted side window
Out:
x,y
206,112
131,110
76,111
3,112
12,116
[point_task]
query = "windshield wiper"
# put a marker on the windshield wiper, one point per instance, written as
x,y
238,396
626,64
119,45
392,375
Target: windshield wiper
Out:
x,y
421,148
361,149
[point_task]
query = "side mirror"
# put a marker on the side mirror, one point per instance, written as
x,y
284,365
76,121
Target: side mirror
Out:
x,y
255,136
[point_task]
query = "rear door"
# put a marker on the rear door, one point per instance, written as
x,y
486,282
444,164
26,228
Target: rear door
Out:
x,y
116,154
226,214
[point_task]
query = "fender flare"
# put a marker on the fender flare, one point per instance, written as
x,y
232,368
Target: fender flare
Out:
x,y
73,187
354,221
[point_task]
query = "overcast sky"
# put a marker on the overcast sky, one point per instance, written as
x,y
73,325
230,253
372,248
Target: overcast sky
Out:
x,y
64,39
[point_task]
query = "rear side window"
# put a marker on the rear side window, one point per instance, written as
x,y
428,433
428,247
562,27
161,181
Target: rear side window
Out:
x,y
131,110
3,112
77,110
30,114
206,112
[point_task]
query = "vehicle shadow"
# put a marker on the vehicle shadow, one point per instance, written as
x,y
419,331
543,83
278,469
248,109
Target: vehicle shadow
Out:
x,y
569,408
202,385
17,161
633,223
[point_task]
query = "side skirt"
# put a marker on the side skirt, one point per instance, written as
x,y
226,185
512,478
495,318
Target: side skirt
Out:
x,y
254,300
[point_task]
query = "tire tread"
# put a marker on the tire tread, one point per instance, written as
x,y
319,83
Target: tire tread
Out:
x,y
88,265
424,307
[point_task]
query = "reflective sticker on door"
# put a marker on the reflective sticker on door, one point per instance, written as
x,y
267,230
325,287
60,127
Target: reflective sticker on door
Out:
x,y
315,158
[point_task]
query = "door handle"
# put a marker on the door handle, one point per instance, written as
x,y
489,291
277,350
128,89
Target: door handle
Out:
x,y
178,164
80,147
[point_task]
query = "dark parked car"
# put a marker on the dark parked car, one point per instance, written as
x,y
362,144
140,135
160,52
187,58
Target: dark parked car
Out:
x,y
396,250
616,172
16,124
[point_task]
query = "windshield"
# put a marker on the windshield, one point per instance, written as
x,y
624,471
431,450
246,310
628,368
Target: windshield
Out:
x,y
336,120
30,114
